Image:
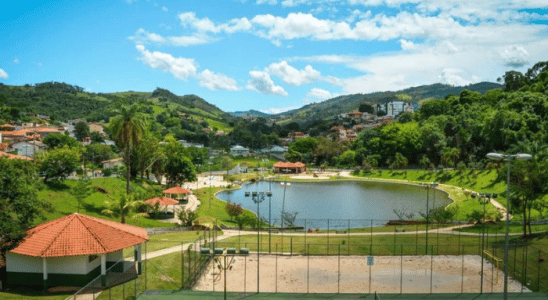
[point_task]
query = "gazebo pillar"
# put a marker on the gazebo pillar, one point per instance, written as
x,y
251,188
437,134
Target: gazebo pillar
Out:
x,y
45,272
137,251
103,270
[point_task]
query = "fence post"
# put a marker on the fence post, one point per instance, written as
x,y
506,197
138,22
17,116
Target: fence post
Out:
x,y
431,267
538,273
401,269
305,232
308,269
348,239
291,246
327,236
276,289
395,239
339,272
371,240
146,265
182,266
462,271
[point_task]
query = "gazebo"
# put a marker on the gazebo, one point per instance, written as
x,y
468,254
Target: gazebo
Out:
x,y
162,201
72,251
178,191
288,167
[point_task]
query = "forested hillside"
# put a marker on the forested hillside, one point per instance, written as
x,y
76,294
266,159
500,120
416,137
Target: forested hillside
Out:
x,y
347,103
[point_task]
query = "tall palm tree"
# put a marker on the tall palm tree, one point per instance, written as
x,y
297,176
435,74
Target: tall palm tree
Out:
x,y
128,129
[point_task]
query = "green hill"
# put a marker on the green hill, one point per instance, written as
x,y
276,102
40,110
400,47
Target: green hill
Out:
x,y
347,103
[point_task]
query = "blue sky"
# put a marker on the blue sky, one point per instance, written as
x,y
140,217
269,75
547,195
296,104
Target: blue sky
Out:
x,y
268,55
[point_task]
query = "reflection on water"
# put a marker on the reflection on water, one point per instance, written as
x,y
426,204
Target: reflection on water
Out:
x,y
339,200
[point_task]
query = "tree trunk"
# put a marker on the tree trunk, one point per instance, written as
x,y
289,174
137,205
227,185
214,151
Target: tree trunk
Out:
x,y
128,165
529,219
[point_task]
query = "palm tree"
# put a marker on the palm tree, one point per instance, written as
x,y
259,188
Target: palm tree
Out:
x,y
128,129
125,205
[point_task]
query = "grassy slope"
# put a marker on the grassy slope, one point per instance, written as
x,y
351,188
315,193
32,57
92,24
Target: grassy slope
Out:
x,y
454,184
64,203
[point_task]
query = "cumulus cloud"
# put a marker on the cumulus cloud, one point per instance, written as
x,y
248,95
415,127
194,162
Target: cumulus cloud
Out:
x,y
318,93
292,76
189,19
261,82
515,57
143,37
3,74
216,82
179,67
454,77
277,110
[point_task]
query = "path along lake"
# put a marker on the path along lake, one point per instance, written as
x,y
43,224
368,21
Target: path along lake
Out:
x,y
338,201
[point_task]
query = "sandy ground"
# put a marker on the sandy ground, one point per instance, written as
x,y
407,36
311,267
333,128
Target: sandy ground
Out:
x,y
450,274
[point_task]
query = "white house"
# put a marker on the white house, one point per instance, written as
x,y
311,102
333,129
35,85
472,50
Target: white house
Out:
x,y
112,163
239,150
72,251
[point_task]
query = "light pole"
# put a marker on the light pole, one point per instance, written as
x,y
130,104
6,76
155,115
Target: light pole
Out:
x,y
483,199
258,197
508,158
432,185
209,166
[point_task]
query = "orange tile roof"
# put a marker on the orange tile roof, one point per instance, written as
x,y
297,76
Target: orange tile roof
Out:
x,y
3,146
46,130
13,156
162,200
176,190
78,234
289,165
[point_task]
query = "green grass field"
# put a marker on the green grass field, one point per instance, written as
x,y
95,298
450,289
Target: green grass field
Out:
x,y
103,189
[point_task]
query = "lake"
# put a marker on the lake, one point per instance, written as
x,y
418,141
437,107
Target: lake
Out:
x,y
339,201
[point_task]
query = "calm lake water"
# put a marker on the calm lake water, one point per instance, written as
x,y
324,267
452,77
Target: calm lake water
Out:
x,y
338,201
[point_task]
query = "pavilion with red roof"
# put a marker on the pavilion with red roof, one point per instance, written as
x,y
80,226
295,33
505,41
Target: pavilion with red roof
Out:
x,y
178,191
72,251
288,167
162,201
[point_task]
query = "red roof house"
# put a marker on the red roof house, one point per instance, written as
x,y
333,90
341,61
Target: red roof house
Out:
x,y
71,251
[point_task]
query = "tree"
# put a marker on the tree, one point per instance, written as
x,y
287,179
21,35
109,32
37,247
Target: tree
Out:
x,y
366,108
96,153
513,80
425,162
81,191
400,162
177,167
58,164
96,137
187,217
81,130
233,210
122,208
59,140
128,129
19,204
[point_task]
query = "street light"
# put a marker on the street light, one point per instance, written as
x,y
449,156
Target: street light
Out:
x,y
258,197
428,186
508,158
209,166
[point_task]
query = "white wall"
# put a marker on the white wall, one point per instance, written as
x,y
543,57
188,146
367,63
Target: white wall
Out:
x,y
56,265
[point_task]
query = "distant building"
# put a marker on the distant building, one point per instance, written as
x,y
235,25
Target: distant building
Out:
x,y
112,163
189,144
239,150
27,148
94,127
296,135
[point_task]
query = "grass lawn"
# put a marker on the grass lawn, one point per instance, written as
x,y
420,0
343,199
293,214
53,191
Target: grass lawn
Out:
x,y
26,293
164,272
213,207
170,239
501,228
103,189
454,183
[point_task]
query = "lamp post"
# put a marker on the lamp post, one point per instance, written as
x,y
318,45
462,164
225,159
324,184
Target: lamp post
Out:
x,y
428,187
209,166
508,158
258,197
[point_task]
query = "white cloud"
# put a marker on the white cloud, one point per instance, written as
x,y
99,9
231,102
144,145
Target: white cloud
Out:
x,y
292,76
454,77
15,61
261,82
143,37
216,82
407,45
179,67
3,74
318,93
269,2
515,57
206,25
165,9
277,110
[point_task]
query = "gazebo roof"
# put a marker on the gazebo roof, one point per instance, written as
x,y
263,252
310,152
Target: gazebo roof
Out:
x,y
78,234
289,165
176,190
162,200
